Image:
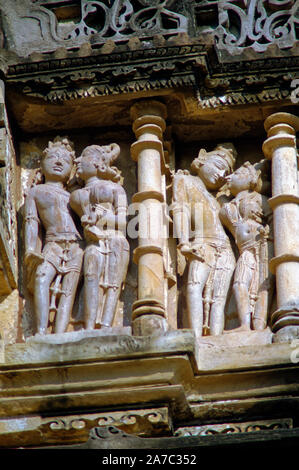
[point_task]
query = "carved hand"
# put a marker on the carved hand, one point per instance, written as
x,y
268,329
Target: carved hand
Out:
x,y
89,219
192,253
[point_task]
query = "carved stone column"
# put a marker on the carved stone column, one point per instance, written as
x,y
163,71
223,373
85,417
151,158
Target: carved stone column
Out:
x,y
149,313
280,147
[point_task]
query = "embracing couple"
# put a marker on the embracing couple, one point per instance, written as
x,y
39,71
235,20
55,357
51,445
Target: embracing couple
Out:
x,y
58,250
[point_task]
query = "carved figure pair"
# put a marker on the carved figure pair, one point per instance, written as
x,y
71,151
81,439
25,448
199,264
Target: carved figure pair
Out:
x,y
54,261
207,248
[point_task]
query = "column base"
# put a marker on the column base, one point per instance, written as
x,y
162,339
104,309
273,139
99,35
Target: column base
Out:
x,y
286,334
285,324
150,324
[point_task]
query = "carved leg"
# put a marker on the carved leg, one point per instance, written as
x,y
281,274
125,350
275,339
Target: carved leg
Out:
x,y
224,269
93,267
241,292
217,317
197,278
66,302
45,274
111,299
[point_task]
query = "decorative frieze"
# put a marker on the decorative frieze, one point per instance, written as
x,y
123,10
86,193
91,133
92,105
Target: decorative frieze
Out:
x,y
73,428
228,428
47,26
256,24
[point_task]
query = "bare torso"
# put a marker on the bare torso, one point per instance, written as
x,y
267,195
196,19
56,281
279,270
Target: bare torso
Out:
x,y
53,208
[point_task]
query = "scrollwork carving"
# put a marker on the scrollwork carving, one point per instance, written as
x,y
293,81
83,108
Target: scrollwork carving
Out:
x,y
256,24
95,21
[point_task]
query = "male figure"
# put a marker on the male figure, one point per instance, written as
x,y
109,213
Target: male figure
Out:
x,y
207,250
244,216
60,258
102,207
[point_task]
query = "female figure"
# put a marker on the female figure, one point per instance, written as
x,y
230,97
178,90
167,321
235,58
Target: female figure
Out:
x,y
245,217
102,207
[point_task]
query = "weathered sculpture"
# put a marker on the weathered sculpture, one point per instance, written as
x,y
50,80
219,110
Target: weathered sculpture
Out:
x,y
245,217
102,207
211,261
54,261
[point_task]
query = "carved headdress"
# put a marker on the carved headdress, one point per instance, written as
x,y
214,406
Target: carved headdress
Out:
x,y
225,151
107,154
61,142
255,176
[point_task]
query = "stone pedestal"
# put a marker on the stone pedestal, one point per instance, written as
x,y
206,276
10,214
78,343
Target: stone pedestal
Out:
x,y
149,313
280,147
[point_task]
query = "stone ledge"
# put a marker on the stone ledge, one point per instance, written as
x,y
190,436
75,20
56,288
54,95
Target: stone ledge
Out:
x,y
233,339
81,347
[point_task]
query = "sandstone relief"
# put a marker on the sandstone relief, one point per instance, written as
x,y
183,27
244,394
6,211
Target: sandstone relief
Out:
x,y
102,208
77,242
59,250
207,248
246,217
53,258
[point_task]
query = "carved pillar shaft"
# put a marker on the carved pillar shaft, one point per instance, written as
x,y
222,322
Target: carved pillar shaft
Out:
x,y
280,147
149,124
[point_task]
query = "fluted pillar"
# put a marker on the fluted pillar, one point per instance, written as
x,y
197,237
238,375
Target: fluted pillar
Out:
x,y
149,315
280,147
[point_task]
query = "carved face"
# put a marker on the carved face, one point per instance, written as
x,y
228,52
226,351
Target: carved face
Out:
x,y
57,164
90,163
213,171
240,180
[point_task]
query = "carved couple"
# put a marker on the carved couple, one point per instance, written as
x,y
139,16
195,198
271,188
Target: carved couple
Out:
x,y
56,253
207,248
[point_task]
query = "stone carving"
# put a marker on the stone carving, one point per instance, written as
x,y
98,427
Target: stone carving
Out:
x,y
207,249
245,217
46,26
281,148
256,24
102,207
228,428
122,19
8,235
53,261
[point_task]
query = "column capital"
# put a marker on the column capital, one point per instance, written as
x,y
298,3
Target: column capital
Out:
x,y
282,118
281,129
148,108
